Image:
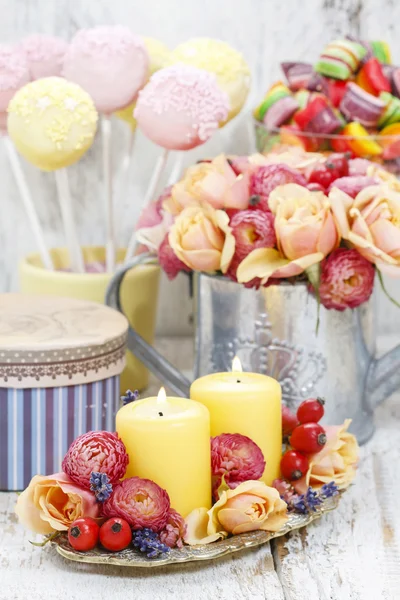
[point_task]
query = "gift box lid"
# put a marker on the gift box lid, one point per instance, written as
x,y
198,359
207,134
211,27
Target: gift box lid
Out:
x,y
49,341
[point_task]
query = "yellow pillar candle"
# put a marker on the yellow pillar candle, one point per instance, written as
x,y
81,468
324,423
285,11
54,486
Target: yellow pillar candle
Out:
x,y
168,441
246,403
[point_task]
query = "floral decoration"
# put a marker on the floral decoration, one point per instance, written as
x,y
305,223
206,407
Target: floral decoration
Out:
x,y
141,502
260,220
51,503
235,458
95,451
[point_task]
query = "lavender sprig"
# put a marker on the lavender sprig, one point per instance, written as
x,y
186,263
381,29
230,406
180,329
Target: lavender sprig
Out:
x,y
129,397
312,499
329,490
101,486
147,541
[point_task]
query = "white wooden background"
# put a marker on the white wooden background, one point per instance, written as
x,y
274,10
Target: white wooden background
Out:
x,y
265,31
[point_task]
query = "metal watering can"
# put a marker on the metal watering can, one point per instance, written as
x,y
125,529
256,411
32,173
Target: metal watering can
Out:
x,y
273,331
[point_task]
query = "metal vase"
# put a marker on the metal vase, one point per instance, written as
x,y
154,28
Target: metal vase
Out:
x,y
274,331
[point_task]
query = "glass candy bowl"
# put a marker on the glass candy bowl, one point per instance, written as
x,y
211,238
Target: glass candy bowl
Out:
x,y
382,149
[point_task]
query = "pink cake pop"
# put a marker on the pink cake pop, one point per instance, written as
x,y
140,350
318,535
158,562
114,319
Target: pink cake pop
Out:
x,y
181,107
110,63
14,73
45,55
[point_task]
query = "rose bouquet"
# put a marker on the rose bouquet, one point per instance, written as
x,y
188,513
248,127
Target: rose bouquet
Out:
x,y
330,221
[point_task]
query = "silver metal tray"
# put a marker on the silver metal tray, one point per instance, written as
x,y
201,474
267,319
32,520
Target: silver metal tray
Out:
x,y
132,558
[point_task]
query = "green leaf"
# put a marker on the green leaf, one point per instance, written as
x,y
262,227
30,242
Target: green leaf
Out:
x,y
314,277
223,487
384,290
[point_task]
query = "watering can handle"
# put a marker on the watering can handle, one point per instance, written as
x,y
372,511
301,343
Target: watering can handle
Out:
x,y
152,359
383,378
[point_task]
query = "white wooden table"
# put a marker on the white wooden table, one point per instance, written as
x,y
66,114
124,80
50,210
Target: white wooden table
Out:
x,y
351,554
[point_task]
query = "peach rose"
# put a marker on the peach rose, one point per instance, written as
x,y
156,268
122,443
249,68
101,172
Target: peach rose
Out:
x,y
251,506
202,239
305,230
336,462
51,503
214,183
371,223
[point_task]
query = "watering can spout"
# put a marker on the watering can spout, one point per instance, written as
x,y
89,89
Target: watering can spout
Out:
x,y
383,378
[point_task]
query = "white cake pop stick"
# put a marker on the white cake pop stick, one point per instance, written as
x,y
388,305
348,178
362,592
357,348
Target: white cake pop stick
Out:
x,y
176,169
149,196
28,203
108,187
64,198
124,172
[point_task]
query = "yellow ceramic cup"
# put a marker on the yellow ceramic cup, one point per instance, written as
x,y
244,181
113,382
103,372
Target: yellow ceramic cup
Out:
x,y
139,295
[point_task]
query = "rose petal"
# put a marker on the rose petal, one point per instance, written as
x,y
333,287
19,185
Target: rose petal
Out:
x,y
197,523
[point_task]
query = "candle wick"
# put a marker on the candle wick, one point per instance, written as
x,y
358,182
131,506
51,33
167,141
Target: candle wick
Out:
x,y
237,380
161,414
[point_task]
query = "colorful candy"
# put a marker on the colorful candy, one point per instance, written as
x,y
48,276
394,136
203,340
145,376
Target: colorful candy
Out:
x,y
298,74
372,78
391,113
317,117
353,91
340,59
382,52
359,105
360,141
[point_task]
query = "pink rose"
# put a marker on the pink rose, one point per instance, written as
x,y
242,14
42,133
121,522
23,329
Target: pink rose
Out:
x,y
249,507
51,503
347,279
371,223
202,239
336,462
174,532
305,231
214,183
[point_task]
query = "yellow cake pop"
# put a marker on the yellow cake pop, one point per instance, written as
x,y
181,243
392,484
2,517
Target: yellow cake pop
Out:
x,y
52,122
160,57
229,66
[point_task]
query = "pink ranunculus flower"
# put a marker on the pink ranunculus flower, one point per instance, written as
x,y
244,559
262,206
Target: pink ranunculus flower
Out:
x,y
337,461
371,223
214,183
236,458
139,501
306,232
249,507
347,279
268,177
202,239
174,532
52,502
95,451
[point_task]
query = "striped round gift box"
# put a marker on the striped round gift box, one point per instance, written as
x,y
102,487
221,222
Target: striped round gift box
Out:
x,y
58,381
38,425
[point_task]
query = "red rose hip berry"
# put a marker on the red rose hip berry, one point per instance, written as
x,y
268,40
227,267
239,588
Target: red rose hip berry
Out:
x,y
115,534
83,534
289,421
308,438
294,465
311,410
